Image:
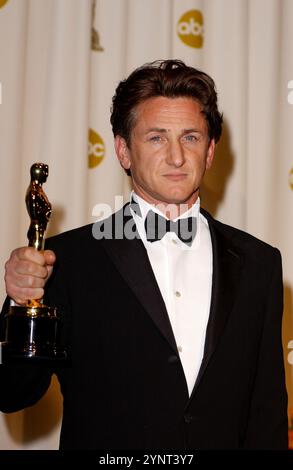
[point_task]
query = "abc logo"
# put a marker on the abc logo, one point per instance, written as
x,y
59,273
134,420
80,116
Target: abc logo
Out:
x,y
291,185
190,28
96,149
2,3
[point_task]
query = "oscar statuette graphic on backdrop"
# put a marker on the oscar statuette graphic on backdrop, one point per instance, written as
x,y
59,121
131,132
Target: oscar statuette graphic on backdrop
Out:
x,y
32,332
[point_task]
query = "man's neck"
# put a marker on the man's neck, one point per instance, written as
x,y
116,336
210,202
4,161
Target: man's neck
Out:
x,y
169,210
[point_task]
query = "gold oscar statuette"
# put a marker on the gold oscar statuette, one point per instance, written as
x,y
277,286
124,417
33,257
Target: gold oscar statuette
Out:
x,y
33,331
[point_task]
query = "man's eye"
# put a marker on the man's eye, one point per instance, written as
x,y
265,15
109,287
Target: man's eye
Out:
x,y
191,138
155,138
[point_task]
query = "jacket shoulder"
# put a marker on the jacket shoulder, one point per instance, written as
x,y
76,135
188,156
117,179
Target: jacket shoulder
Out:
x,y
70,238
240,238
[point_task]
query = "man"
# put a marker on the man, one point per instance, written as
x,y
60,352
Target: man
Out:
x,y
174,338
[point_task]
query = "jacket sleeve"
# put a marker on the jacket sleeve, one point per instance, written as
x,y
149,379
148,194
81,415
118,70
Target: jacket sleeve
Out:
x,y
20,385
268,423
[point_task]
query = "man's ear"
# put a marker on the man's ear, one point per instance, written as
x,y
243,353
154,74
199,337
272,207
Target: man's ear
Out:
x,y
122,152
210,154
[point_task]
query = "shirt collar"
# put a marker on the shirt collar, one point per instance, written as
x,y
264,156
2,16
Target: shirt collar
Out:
x,y
139,209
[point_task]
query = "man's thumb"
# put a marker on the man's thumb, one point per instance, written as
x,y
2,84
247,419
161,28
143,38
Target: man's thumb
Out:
x,y
50,257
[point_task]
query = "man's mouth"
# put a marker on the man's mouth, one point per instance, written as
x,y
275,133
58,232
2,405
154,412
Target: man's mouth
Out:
x,y
175,176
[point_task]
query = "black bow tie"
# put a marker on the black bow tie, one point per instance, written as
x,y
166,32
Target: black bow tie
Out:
x,y
157,226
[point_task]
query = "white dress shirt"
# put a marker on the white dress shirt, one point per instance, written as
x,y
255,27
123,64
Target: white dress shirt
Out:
x,y
184,276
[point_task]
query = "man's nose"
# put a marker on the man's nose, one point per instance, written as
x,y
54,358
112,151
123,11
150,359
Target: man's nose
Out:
x,y
175,156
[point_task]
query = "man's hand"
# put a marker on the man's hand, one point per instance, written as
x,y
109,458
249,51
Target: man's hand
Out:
x,y
26,273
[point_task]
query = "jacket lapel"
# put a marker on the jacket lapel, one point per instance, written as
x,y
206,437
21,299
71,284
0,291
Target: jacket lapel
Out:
x,y
131,259
227,263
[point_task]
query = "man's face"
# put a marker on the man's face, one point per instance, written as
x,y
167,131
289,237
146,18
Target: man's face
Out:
x,y
169,150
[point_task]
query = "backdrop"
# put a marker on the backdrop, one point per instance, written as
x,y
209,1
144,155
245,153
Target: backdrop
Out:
x,y
60,61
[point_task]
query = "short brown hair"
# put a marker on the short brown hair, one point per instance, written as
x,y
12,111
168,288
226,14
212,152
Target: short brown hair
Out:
x,y
169,78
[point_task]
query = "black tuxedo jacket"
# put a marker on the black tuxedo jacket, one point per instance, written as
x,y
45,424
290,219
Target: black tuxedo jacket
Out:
x,y
125,387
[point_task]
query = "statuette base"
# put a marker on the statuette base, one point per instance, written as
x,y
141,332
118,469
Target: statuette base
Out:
x,y
32,335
